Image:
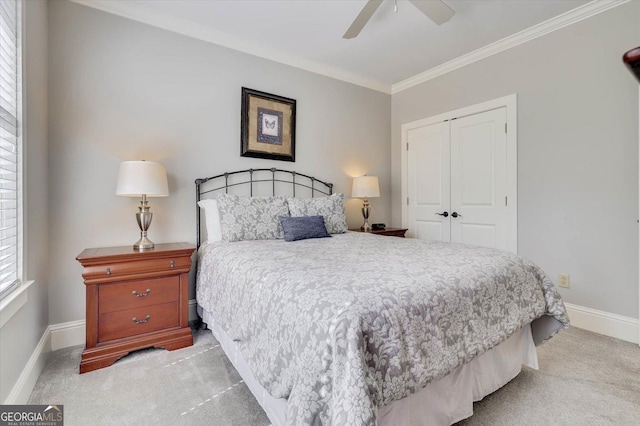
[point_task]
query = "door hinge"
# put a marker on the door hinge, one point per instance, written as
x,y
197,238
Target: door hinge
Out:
x,y
505,201
407,146
407,200
505,127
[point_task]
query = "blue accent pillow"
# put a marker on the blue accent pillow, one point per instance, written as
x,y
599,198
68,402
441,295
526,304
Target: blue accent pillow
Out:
x,y
302,228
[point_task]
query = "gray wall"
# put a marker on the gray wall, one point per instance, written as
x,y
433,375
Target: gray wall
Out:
x,y
21,334
122,90
577,150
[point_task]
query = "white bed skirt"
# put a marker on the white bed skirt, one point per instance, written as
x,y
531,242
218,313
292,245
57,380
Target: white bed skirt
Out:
x,y
443,402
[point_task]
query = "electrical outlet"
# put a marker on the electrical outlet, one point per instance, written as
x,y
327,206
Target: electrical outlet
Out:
x,y
563,281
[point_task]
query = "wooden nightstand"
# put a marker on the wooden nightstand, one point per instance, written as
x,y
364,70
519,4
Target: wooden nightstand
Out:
x,y
135,300
390,232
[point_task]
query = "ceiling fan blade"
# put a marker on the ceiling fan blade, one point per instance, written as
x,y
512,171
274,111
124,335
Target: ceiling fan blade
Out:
x,y
363,17
436,10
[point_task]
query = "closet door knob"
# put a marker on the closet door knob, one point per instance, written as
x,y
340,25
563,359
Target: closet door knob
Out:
x,y
445,214
456,214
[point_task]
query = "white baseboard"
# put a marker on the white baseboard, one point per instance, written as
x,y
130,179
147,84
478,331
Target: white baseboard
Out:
x,y
613,325
67,334
193,311
26,382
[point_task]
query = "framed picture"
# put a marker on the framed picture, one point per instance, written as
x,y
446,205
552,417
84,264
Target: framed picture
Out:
x,y
268,126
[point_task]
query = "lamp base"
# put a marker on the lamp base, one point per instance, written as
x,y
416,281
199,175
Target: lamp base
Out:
x,y
365,214
143,244
143,217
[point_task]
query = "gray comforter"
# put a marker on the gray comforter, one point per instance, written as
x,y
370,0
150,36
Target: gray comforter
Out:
x,y
343,325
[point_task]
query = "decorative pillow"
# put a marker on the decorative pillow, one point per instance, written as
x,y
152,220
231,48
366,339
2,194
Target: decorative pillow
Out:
x,y
211,219
331,208
251,218
303,228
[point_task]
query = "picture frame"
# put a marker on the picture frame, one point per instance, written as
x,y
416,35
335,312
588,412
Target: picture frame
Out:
x,y
268,126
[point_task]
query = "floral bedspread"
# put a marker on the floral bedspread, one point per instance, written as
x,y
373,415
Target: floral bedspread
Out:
x,y
343,325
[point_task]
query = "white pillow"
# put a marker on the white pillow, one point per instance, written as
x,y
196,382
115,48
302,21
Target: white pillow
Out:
x,y
212,219
251,218
330,208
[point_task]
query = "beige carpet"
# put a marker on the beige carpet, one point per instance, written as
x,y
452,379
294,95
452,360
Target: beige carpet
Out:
x,y
584,379
191,386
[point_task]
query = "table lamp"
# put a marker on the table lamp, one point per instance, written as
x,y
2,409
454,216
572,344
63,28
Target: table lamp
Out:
x,y
142,179
365,187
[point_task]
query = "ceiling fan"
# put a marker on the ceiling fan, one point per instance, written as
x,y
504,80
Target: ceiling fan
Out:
x,y
436,10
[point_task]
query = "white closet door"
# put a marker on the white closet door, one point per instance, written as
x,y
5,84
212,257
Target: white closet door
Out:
x,y
479,180
429,182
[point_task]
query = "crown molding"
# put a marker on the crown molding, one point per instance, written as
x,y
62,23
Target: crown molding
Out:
x,y
201,32
575,15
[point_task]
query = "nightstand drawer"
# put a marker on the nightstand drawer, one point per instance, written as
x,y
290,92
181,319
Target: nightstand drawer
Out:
x,y
118,269
391,232
137,294
116,325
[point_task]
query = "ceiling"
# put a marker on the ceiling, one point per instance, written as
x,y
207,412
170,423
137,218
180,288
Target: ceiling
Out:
x,y
308,33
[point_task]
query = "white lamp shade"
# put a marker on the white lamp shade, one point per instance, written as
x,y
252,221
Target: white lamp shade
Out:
x,y
142,177
365,187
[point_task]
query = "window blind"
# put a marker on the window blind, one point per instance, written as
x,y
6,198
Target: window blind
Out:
x,y
9,142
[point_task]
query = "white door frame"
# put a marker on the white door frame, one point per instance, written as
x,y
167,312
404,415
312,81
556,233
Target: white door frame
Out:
x,y
510,102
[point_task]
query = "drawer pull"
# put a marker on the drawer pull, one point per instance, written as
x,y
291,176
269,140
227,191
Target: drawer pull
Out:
x,y
108,270
137,321
146,293
172,264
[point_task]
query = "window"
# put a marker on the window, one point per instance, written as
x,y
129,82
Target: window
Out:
x,y
10,123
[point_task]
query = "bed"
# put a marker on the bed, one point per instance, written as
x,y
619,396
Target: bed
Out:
x,y
362,329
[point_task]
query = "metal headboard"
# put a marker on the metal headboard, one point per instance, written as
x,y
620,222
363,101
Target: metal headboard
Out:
x,y
221,182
